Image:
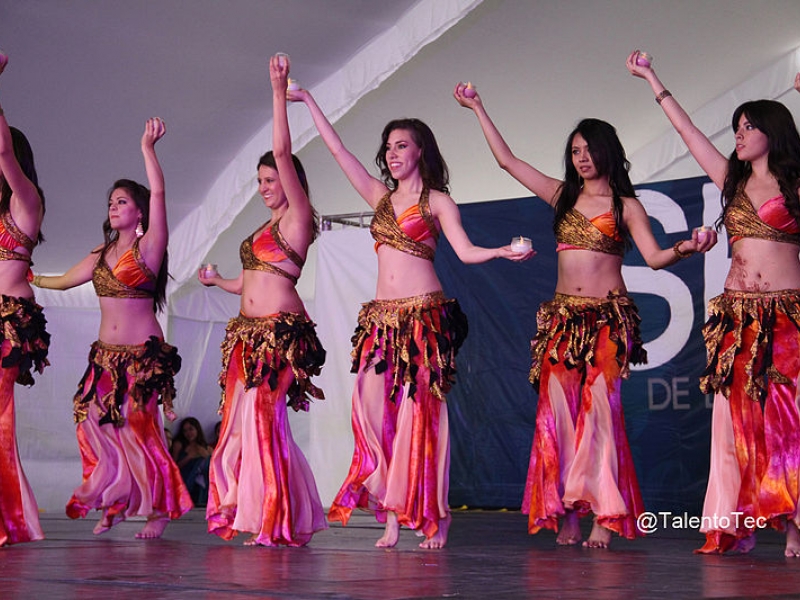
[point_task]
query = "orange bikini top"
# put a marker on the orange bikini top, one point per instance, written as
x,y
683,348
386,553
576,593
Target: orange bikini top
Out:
x,y
408,231
270,247
130,277
599,234
771,222
11,238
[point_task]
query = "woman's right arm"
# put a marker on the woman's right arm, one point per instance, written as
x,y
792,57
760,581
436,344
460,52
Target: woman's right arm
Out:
x,y
368,187
711,160
77,275
540,184
232,286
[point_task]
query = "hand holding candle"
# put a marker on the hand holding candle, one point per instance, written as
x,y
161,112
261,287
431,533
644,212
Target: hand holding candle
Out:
x,y
470,91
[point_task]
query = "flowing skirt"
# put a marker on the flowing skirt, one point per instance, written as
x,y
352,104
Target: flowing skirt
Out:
x,y
404,353
753,345
260,482
23,348
127,468
580,459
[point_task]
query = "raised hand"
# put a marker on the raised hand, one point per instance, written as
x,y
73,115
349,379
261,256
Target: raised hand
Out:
x,y
154,130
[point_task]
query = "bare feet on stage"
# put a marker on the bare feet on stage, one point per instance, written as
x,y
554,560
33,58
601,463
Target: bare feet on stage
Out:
x,y
599,538
792,540
391,533
107,521
154,527
438,539
570,533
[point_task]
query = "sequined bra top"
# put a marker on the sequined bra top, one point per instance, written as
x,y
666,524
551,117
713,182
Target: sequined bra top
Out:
x,y
11,238
599,234
270,247
408,231
771,222
130,277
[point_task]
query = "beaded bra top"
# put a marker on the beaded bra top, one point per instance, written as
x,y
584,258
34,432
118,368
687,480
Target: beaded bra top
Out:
x,y
270,247
408,231
11,238
599,234
130,277
772,221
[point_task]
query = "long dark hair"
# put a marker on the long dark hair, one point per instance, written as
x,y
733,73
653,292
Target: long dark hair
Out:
x,y
179,437
268,160
24,155
609,159
141,197
775,121
432,167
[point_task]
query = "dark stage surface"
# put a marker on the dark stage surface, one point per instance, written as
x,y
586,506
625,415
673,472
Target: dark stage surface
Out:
x,y
489,555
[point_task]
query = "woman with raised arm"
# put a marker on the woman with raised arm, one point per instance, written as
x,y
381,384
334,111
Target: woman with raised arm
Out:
x,y
753,331
127,468
24,341
407,338
588,335
260,482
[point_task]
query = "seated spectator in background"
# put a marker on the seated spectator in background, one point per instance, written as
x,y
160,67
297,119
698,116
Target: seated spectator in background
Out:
x,y
191,452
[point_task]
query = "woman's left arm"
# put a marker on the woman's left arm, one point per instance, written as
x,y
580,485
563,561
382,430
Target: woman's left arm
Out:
x,y
445,210
638,224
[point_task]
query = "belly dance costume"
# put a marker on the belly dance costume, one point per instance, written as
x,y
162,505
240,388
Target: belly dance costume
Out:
x,y
584,346
753,345
23,348
260,482
404,352
127,468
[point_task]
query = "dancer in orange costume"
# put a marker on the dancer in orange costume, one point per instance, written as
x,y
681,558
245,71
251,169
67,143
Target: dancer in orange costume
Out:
x,y
407,338
127,468
24,342
260,482
587,336
753,331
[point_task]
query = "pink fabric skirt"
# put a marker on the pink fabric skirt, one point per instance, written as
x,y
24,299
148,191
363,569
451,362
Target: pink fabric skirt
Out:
x,y
127,468
580,459
401,460
753,342
260,482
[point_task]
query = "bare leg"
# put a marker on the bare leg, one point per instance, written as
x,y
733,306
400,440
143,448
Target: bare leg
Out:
x,y
570,533
438,539
156,523
107,521
391,534
792,540
599,538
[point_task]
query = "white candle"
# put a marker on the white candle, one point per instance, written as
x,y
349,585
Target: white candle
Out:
x,y
283,59
209,270
292,84
702,232
521,245
644,59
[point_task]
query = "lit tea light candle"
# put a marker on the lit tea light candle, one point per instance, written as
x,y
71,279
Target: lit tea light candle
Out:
x,y
644,59
702,232
521,245
209,270
470,91
283,59
292,84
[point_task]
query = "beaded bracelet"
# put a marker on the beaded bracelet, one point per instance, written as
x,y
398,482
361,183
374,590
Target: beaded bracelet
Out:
x,y
677,250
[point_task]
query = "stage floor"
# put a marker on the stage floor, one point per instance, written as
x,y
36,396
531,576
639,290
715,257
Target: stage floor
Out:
x,y
489,555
